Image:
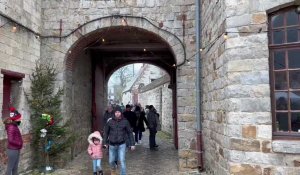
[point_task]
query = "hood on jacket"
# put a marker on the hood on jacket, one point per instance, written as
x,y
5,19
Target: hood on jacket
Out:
x,y
95,134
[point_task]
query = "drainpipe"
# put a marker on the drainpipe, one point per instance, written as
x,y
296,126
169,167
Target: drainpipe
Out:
x,y
198,86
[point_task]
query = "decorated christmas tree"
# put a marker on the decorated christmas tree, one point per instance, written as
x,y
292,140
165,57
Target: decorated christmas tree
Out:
x,y
50,131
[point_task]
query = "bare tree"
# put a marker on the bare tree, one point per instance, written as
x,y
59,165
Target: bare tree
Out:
x,y
124,75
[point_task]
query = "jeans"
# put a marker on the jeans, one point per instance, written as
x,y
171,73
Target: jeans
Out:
x,y
97,165
138,135
13,161
152,141
120,151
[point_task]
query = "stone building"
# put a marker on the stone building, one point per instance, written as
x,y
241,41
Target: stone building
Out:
x,y
249,79
245,130
144,76
158,94
151,87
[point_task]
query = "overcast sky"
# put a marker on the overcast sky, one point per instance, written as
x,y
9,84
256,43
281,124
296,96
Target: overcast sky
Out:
x,y
112,81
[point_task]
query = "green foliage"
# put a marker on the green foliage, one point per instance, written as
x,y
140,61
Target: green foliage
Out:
x,y
45,99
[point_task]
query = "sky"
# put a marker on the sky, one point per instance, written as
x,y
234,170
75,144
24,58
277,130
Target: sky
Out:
x,y
113,80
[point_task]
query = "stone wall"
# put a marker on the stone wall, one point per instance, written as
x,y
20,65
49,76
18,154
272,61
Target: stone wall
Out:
x,y
236,108
81,103
18,52
160,96
166,109
213,84
150,73
145,75
236,92
169,14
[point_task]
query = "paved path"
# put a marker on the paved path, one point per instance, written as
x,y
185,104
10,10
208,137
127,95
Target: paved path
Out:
x,y
142,161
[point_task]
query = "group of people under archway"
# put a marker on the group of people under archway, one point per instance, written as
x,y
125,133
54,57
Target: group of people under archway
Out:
x,y
119,126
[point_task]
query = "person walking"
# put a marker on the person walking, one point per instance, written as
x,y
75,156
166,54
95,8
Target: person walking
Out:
x,y
130,116
108,114
140,128
146,109
153,123
95,151
14,143
122,107
117,130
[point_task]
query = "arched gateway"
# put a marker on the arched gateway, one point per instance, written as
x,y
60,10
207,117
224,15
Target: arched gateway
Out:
x,y
98,48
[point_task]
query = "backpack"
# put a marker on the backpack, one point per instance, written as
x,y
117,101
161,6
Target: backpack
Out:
x,y
108,119
138,114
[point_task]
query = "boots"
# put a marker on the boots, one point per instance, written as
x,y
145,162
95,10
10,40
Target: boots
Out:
x,y
95,173
100,172
113,172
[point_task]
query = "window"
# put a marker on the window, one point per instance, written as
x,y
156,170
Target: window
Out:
x,y
11,89
284,47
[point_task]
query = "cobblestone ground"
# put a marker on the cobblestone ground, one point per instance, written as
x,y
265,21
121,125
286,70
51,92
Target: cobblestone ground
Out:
x,y
142,161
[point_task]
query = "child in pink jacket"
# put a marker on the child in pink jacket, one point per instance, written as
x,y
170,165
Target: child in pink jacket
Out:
x,y
95,151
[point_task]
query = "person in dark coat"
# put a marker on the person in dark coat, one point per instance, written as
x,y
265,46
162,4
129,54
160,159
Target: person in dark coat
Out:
x,y
130,116
117,130
108,114
140,128
153,123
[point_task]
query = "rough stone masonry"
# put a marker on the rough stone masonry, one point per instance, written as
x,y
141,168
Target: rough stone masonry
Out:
x,y
237,123
21,49
236,107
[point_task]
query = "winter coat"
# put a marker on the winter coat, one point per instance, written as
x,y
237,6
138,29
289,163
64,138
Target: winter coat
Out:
x,y
131,117
95,151
158,122
153,120
141,118
117,131
14,137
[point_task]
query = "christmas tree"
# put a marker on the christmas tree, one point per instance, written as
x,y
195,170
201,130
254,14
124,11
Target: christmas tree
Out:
x,y
50,131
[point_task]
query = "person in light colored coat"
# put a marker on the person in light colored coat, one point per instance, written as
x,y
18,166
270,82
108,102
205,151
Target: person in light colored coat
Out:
x,y
95,151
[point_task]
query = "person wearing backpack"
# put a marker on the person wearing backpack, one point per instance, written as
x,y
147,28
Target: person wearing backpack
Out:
x,y
140,128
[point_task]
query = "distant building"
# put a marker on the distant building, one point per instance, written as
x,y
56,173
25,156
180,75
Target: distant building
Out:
x,y
147,74
150,87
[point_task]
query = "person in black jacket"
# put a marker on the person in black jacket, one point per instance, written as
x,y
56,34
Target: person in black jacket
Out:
x,y
140,128
117,130
130,116
153,121
109,113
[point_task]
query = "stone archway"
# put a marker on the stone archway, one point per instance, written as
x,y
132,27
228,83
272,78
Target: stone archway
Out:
x,y
119,49
85,35
165,50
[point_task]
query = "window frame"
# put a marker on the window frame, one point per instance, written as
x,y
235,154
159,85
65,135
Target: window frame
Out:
x,y
287,135
8,76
